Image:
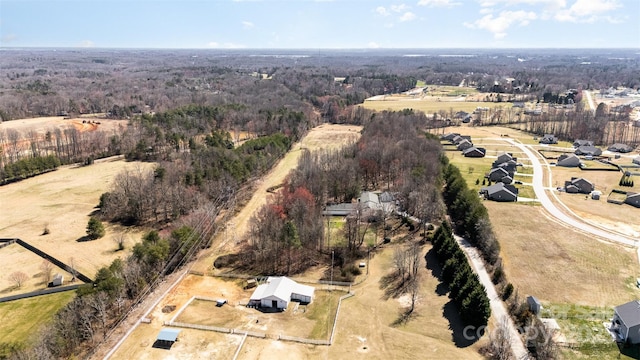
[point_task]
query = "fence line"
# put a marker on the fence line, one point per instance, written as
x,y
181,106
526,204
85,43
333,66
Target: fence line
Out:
x,y
335,320
303,340
181,309
199,327
39,292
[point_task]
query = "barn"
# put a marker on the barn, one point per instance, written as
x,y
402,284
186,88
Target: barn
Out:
x,y
277,292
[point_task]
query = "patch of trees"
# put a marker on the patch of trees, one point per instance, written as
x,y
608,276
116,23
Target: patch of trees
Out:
x,y
468,214
28,167
626,181
101,305
464,287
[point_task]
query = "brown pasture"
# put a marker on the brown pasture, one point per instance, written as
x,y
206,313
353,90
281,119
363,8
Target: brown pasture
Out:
x,y
63,200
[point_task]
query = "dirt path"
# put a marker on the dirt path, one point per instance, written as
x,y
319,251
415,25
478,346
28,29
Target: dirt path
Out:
x,y
323,136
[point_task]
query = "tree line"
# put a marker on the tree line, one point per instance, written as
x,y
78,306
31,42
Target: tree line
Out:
x,y
465,288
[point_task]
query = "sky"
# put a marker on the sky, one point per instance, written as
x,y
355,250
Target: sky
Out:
x,y
320,24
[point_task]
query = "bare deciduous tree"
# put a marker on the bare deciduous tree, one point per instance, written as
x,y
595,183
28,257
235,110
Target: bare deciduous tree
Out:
x,y
47,268
19,278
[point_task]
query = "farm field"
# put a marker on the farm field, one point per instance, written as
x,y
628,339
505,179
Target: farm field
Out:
x,y
63,200
556,264
43,124
28,262
427,105
39,310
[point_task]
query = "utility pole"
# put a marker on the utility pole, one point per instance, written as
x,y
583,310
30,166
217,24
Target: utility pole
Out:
x,y
331,282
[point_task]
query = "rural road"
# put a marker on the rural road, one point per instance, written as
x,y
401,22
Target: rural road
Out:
x,y
541,194
498,310
592,106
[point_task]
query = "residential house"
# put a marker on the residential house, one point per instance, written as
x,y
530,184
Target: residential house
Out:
x,y
511,166
534,305
588,150
633,199
386,198
461,115
568,160
464,145
449,136
578,185
369,200
474,152
579,142
625,324
497,174
621,148
636,160
277,292
548,139
500,192
504,157
460,138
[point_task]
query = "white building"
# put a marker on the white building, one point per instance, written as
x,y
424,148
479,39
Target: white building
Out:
x,y
277,292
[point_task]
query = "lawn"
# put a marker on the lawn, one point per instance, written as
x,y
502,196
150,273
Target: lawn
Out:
x,y
559,265
312,321
37,310
582,326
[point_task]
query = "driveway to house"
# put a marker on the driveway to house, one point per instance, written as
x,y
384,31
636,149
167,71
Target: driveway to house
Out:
x,y
562,215
498,310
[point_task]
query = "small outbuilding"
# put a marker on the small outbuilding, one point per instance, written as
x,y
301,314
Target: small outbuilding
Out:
x,y
636,160
57,280
534,305
166,338
633,199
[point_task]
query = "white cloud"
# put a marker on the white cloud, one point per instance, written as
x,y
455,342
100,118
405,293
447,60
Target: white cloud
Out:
x,y
399,8
86,44
248,25
373,45
438,3
589,11
550,3
381,10
408,16
499,25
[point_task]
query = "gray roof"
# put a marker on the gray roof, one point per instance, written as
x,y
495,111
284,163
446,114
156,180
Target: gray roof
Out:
x,y
369,199
343,209
496,188
620,148
629,313
588,150
168,334
568,160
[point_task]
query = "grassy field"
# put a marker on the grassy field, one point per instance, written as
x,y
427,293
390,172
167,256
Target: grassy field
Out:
x,y
312,321
63,200
427,105
14,326
556,264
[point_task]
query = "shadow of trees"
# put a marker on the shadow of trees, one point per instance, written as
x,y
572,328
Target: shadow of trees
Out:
x,y
450,311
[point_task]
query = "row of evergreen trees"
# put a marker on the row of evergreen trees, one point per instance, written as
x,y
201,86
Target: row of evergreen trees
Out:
x,y
465,288
468,214
28,167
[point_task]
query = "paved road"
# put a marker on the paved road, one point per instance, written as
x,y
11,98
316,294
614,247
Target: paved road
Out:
x,y
574,221
498,310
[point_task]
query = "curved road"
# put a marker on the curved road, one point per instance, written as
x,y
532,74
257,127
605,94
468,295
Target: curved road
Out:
x,y
541,194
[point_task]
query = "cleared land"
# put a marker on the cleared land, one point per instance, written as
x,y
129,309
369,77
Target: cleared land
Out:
x,y
43,124
559,265
63,200
426,104
38,310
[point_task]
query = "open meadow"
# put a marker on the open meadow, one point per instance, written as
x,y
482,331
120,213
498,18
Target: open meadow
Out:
x,y
37,310
426,104
557,264
62,201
